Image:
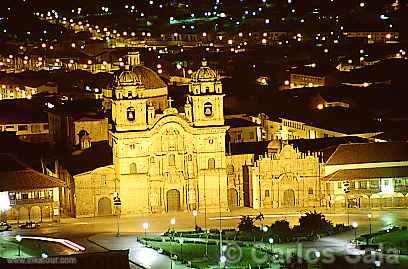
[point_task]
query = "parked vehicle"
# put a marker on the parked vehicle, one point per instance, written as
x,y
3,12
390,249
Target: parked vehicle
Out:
x,y
4,227
29,225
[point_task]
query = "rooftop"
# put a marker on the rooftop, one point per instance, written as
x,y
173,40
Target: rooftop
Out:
x,y
16,176
369,153
368,173
99,155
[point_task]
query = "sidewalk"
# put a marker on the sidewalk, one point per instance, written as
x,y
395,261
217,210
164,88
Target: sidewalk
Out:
x,y
139,255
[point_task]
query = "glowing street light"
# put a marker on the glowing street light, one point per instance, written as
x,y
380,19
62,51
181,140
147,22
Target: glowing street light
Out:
x,y
195,213
355,225
145,227
19,238
270,240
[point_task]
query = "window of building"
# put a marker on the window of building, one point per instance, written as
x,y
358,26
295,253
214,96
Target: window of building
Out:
x,y
310,191
22,128
152,159
362,184
103,179
266,193
190,157
211,163
172,160
132,146
133,168
339,185
45,126
208,109
24,196
130,114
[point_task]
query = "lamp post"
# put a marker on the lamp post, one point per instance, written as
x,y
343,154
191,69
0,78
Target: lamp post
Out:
x,y
172,223
270,240
355,225
369,220
179,66
181,241
19,238
145,227
195,213
117,203
264,229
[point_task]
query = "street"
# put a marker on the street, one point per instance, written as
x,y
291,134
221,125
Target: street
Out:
x,y
98,234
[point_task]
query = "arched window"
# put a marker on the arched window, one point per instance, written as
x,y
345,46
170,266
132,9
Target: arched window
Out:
x,y
133,168
130,113
208,109
172,160
211,163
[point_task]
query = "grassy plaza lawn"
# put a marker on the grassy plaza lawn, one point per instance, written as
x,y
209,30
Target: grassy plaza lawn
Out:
x,y
195,252
393,239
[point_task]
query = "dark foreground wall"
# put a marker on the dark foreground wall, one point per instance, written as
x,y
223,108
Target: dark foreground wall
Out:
x,y
117,259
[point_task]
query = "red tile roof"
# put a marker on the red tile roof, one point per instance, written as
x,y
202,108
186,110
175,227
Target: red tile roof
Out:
x,y
368,173
369,153
20,177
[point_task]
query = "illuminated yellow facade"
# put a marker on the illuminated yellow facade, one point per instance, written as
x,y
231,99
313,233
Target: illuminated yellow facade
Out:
x,y
171,161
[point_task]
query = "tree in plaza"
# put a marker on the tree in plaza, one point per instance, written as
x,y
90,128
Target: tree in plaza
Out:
x,y
281,229
314,223
246,224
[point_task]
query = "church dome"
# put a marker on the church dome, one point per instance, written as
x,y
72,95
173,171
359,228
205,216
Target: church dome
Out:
x,y
138,75
204,73
126,78
148,77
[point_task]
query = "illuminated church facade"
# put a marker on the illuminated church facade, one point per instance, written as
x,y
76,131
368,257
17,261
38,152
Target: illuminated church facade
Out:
x,y
170,161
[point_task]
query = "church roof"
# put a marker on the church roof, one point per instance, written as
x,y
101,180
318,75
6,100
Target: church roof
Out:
x,y
256,148
16,176
369,153
99,155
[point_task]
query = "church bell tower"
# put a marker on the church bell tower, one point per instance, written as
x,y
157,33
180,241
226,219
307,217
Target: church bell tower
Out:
x,y
205,102
129,106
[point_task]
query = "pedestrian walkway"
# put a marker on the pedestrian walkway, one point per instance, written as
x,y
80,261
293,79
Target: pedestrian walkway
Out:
x,y
139,255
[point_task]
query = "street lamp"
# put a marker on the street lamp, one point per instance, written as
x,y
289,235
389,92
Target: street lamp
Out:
x,y
270,240
355,225
19,238
195,213
145,227
369,220
172,223
179,66
181,241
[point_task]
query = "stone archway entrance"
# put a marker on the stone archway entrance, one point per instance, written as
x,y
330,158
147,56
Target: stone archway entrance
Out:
x,y
232,197
173,200
104,207
289,198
